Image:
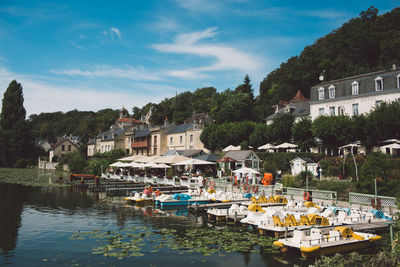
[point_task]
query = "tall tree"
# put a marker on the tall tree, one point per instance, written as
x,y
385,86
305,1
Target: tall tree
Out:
x,y
15,138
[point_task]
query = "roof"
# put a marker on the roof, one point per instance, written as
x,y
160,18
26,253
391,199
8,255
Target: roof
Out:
x,y
110,135
303,159
208,157
130,120
298,109
298,97
92,141
141,132
239,154
62,141
180,128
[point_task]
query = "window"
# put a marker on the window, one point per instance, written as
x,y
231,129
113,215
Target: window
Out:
x,y
321,93
170,140
63,148
321,111
340,110
332,111
331,91
355,109
191,138
354,88
379,84
69,147
155,140
180,139
398,81
378,103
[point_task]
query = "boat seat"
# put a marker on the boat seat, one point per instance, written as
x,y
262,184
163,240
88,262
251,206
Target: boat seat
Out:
x,y
334,235
316,236
299,236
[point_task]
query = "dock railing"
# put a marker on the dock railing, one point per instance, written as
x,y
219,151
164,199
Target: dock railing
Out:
x,y
318,196
366,202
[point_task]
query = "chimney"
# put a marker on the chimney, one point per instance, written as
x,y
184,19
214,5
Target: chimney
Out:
x,y
394,67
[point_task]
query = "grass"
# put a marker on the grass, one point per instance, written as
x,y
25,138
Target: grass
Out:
x,y
31,177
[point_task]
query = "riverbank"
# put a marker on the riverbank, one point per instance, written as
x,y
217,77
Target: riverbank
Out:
x,y
32,176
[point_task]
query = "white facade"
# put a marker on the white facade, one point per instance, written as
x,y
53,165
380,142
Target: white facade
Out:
x,y
298,165
361,104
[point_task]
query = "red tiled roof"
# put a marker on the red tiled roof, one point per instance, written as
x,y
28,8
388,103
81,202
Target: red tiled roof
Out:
x,y
298,97
130,120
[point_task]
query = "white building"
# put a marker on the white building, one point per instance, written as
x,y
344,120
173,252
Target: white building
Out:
x,y
355,95
298,165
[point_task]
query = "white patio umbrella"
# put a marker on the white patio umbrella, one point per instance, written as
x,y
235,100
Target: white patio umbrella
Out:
x,y
392,146
194,162
171,159
286,145
119,164
231,147
246,170
160,166
132,158
267,146
148,159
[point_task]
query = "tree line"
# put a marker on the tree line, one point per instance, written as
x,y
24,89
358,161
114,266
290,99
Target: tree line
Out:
x,y
334,131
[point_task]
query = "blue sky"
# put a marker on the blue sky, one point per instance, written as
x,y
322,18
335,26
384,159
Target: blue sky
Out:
x,y
91,55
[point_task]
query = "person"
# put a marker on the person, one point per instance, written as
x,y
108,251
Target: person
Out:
x,y
279,175
200,180
318,171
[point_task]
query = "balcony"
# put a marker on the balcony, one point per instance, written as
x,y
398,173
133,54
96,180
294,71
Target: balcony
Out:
x,y
140,144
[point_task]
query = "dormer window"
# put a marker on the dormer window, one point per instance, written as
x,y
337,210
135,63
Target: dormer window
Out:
x,y
378,84
321,94
331,91
354,88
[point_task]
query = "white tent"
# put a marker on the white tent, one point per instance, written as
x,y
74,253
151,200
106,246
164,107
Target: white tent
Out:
x,y
267,146
171,159
246,170
231,147
119,164
149,159
132,158
194,162
286,145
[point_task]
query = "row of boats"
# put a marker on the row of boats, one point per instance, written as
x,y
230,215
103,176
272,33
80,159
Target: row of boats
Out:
x,y
312,229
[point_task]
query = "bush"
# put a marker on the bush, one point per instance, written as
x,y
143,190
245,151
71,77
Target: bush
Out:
x,y
290,181
280,161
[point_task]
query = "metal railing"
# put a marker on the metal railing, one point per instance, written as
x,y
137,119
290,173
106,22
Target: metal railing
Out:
x,y
388,204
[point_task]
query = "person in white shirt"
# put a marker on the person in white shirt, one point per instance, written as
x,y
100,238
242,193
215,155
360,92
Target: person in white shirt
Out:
x,y
200,180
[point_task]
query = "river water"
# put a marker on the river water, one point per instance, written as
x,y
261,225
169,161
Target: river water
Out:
x,y
53,226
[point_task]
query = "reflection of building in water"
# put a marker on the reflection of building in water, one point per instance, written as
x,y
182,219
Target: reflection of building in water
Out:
x,y
12,198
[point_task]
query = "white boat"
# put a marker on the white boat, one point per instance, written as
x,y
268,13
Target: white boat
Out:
x,y
313,242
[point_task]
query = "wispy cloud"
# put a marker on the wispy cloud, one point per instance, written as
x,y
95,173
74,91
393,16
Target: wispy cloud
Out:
x,y
49,95
224,57
113,33
105,71
325,14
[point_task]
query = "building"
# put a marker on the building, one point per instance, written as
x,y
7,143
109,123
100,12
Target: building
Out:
x,y
355,95
141,142
299,106
119,136
244,158
64,145
44,145
298,165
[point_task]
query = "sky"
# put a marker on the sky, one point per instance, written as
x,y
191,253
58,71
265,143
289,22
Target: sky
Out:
x,y
91,55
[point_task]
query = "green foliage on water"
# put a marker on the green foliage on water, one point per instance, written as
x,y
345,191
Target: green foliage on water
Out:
x,y
31,177
129,242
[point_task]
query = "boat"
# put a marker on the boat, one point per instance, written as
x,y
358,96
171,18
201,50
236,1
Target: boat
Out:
x,y
181,200
139,198
314,242
235,211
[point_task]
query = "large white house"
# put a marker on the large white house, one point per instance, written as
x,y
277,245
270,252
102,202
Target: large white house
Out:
x,y
355,95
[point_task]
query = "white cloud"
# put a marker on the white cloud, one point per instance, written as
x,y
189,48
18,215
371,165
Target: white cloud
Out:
x,y
49,96
105,71
225,57
113,33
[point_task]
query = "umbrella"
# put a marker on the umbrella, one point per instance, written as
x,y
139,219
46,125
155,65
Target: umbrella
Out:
x,y
160,166
246,170
267,146
119,164
149,159
392,146
226,159
171,159
231,147
286,145
194,162
132,158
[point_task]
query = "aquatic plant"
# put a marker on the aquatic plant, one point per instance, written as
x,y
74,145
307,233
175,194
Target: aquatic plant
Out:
x,y
130,241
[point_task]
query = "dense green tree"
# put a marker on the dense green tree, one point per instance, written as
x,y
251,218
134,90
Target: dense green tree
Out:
x,y
281,128
260,136
334,131
15,136
302,134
